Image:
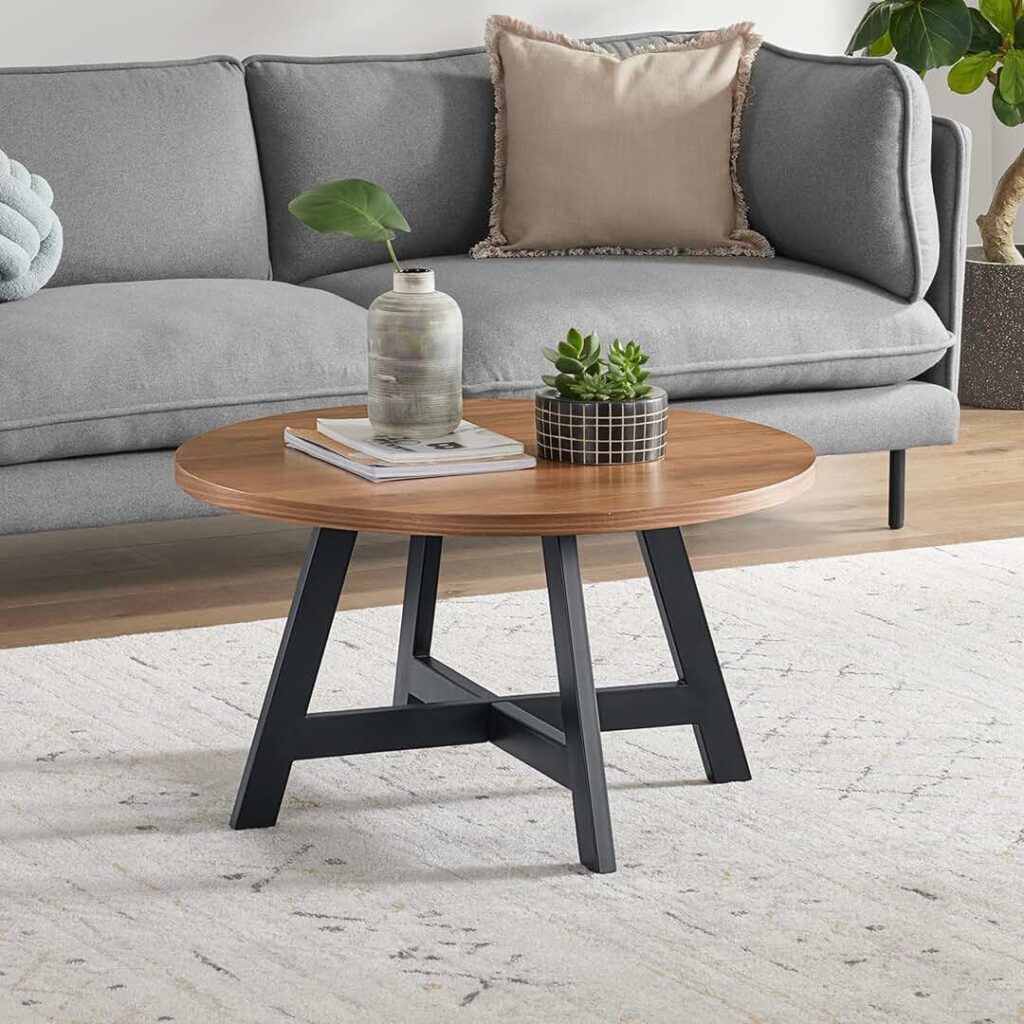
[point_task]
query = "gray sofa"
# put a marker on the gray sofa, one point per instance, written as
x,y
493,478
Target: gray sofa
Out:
x,y
188,298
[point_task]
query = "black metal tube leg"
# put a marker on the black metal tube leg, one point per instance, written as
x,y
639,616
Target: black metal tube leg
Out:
x,y
291,683
897,488
693,652
418,606
579,704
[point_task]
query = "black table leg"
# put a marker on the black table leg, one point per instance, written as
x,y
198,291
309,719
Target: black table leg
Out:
x,y
580,719
274,746
417,611
558,734
897,487
693,651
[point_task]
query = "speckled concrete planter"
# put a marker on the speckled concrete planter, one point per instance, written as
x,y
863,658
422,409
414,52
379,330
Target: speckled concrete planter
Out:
x,y
992,356
601,433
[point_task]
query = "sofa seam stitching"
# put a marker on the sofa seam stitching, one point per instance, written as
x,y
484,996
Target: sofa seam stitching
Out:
x,y
678,369
197,404
74,69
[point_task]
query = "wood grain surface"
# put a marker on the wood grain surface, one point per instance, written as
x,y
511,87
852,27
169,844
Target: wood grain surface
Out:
x,y
715,467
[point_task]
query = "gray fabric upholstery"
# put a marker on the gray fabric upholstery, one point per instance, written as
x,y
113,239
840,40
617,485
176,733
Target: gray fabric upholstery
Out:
x,y
907,415
713,326
951,161
90,369
99,490
153,167
420,125
835,163
110,489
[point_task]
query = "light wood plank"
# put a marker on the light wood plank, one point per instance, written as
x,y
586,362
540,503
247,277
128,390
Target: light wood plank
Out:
x,y
715,466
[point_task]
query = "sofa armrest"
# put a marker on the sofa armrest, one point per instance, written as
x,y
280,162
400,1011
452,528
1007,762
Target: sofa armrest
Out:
x,y
951,160
835,163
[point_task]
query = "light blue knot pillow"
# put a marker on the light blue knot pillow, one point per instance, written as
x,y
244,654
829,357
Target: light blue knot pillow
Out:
x,y
31,238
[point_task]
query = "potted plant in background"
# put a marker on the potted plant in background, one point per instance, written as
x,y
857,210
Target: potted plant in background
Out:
x,y
414,332
600,410
982,46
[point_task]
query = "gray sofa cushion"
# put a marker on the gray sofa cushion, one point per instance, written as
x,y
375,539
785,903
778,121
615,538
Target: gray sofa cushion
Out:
x,y
102,368
835,162
153,167
97,490
419,126
910,414
714,326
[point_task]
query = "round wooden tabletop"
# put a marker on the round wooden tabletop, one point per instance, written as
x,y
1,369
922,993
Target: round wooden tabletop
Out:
x,y
715,467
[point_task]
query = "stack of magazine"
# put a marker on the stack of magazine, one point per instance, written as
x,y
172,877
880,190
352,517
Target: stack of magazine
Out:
x,y
354,445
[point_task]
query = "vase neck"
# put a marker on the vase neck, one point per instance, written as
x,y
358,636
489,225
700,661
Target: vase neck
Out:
x,y
416,281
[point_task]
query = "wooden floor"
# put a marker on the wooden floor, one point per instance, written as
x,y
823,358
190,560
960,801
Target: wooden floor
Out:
x,y
128,579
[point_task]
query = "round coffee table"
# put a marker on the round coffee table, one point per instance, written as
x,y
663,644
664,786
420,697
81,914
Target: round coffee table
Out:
x,y
715,467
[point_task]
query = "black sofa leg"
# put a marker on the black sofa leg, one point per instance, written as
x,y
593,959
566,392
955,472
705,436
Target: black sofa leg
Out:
x,y
897,487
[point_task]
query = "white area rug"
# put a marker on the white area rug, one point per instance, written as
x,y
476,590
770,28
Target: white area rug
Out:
x,y
871,871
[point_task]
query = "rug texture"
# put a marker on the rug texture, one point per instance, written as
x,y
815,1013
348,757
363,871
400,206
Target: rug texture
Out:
x,y
871,872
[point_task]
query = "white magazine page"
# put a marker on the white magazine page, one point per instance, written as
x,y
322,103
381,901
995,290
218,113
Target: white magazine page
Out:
x,y
467,440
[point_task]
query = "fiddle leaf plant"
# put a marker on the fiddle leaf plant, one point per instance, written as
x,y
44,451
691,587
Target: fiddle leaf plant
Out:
x,y
353,207
978,44
584,375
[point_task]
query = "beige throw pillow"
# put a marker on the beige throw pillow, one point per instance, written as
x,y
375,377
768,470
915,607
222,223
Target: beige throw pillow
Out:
x,y
596,154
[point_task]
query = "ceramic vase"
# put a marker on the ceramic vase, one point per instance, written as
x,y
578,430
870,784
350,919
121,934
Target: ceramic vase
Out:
x,y
414,335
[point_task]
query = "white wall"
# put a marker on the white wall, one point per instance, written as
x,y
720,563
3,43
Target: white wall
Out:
x,y
96,31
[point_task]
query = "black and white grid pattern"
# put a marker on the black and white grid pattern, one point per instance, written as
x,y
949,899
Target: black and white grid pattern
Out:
x,y
601,433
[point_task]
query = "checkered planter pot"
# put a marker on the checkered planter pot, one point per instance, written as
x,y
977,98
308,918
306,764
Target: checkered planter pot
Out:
x,y
601,433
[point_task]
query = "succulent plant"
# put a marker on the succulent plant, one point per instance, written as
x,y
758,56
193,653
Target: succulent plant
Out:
x,y
584,375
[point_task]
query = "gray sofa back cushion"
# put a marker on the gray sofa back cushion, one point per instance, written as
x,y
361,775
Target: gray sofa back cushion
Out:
x,y
153,167
836,166
419,126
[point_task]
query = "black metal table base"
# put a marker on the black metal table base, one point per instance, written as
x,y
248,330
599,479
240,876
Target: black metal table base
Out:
x,y
558,734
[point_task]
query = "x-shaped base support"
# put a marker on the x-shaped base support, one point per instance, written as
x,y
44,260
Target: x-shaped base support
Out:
x,y
558,734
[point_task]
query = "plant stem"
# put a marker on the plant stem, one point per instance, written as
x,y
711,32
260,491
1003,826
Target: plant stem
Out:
x,y
997,226
391,253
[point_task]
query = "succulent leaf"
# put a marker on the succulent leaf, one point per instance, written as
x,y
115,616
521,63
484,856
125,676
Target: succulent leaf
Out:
x,y
566,364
